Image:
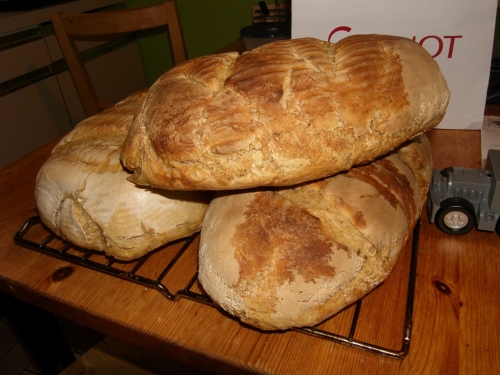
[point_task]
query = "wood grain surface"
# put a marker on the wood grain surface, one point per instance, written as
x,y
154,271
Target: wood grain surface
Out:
x,y
456,326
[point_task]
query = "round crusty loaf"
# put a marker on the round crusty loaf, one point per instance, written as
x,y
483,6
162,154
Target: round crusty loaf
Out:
x,y
83,195
285,113
293,257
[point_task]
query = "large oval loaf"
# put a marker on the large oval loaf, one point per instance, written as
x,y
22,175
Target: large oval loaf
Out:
x,y
285,113
292,257
83,195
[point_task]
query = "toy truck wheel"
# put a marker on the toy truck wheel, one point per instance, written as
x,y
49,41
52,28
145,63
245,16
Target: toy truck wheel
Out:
x,y
456,216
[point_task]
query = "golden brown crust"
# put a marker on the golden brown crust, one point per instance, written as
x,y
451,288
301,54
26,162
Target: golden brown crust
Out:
x,y
83,195
293,257
285,113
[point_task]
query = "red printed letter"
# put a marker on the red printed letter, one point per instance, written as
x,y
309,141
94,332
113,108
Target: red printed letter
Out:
x,y
452,44
340,28
440,44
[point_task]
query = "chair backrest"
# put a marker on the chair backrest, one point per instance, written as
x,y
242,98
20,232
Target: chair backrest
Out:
x,y
87,26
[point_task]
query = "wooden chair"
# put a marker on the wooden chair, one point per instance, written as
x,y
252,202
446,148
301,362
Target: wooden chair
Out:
x,y
106,26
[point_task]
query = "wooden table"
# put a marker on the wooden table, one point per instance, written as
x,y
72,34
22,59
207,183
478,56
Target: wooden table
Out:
x,y
456,325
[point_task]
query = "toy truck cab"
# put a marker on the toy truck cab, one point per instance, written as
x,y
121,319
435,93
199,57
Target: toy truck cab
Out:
x,y
461,198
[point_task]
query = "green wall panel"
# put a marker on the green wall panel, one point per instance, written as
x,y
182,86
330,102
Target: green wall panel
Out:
x,y
208,25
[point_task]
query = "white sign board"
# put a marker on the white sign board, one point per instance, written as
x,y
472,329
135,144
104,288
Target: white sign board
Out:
x,y
457,33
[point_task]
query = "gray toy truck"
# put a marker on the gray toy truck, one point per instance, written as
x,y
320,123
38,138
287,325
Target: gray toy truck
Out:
x,y
461,198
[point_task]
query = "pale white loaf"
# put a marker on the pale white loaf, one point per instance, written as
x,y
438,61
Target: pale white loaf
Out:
x,y
293,257
83,195
284,113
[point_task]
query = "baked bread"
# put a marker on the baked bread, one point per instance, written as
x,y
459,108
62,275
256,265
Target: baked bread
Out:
x,y
83,195
293,257
284,113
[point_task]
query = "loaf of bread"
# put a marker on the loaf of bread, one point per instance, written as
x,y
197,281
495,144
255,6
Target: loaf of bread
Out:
x,y
295,256
83,194
284,113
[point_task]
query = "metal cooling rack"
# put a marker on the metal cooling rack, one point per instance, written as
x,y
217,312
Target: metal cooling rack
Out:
x,y
82,257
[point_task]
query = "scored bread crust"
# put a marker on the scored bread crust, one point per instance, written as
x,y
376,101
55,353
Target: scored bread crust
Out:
x,y
83,194
293,257
284,113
